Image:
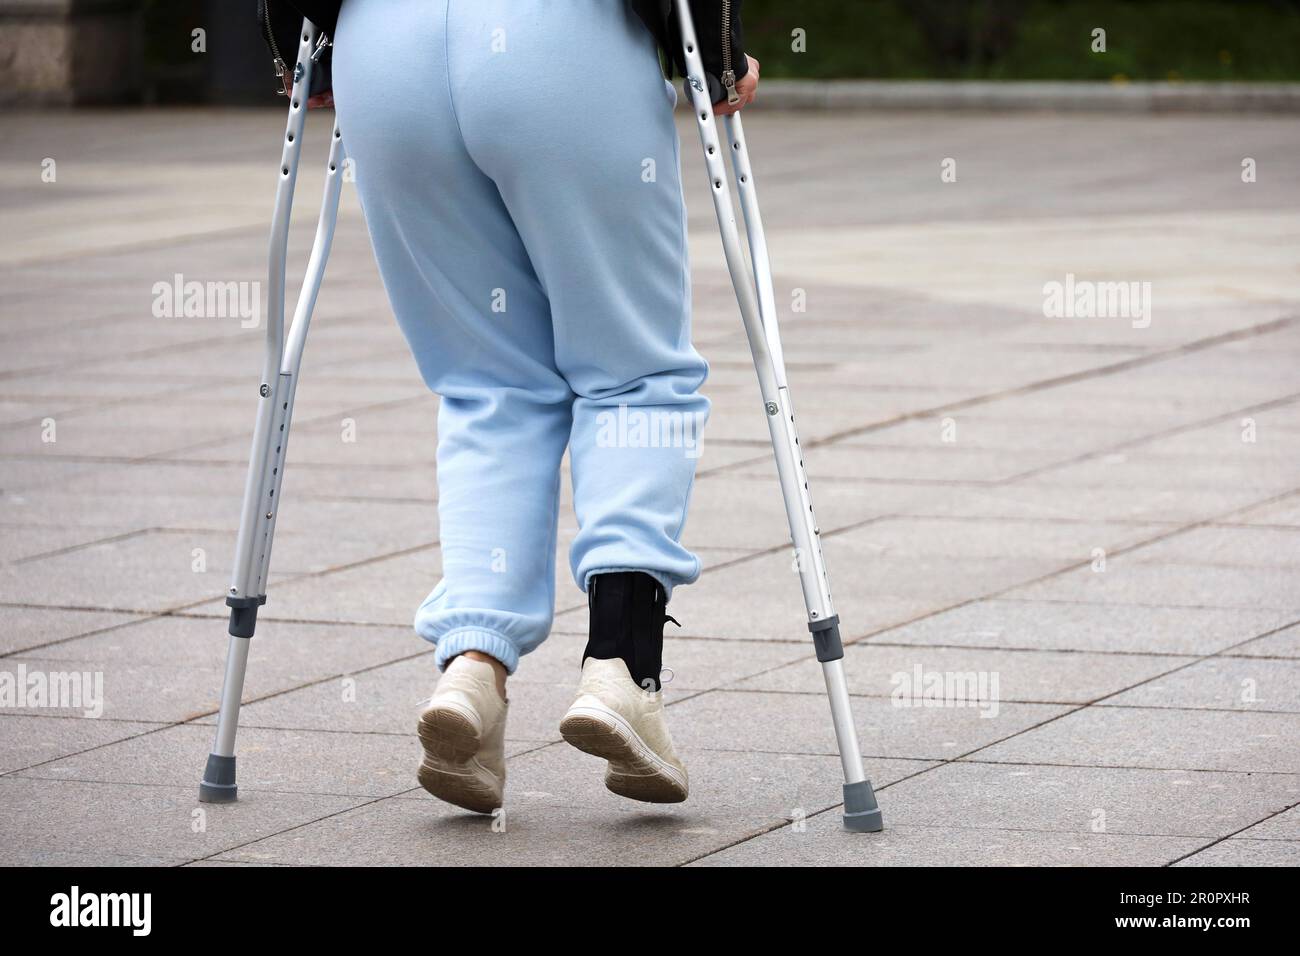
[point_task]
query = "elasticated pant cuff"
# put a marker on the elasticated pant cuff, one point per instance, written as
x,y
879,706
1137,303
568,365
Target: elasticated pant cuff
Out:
x,y
464,639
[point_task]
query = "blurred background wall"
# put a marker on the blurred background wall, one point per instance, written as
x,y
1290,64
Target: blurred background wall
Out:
x,y
210,51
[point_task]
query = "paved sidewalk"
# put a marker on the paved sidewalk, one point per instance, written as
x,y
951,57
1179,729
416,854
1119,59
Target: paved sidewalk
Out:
x,y
1137,96
1094,519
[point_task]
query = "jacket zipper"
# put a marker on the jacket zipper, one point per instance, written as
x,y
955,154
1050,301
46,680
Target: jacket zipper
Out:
x,y
728,72
281,68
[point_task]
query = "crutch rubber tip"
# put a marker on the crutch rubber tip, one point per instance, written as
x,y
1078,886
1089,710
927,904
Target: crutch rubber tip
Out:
x,y
218,784
861,812
243,615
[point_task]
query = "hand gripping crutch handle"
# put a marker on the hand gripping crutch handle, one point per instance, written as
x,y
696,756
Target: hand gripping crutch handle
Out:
x,y
752,281
275,410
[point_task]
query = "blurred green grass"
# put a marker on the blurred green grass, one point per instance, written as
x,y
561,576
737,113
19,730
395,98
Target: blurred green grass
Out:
x,y
1220,40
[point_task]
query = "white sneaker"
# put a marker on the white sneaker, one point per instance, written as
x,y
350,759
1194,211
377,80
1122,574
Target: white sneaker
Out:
x,y
614,718
463,730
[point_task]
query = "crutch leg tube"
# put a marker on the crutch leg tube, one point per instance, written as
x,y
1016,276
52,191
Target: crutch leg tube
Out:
x,y
274,412
754,291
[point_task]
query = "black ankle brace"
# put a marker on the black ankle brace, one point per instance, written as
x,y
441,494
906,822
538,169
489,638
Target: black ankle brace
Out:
x,y
628,611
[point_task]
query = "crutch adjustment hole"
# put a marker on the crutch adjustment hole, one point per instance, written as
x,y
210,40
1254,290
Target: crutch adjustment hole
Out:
x,y
690,49
289,136
704,114
285,171
717,184
332,167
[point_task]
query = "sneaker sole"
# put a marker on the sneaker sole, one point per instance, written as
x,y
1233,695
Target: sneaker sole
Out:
x,y
635,771
448,771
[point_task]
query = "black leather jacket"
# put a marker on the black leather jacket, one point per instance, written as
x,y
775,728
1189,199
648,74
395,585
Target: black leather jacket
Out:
x,y
717,29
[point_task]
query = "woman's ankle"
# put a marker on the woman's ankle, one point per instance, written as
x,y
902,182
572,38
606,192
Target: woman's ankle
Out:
x,y
498,668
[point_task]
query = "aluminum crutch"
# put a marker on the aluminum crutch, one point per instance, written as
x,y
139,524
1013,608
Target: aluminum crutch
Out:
x,y
274,411
758,310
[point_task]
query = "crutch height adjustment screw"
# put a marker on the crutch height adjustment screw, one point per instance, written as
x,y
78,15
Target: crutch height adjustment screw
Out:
x,y
772,408
265,390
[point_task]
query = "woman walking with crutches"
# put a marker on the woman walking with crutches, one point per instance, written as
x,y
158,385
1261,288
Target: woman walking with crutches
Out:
x,y
534,251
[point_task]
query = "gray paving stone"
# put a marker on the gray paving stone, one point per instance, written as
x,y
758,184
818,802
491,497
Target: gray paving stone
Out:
x,y
146,572
933,465
1223,682
1241,852
30,739
1088,799
826,844
44,507
737,410
693,664
873,588
1069,625
171,669
1143,498
92,821
1187,585
425,832
975,428
1283,826
1149,480
1285,513
218,864
387,699
22,473
1064,542
754,785
387,591
1027,676
320,526
22,543
270,761
746,511
1283,643
25,627
83,857
1267,548
102,435
800,723
1159,738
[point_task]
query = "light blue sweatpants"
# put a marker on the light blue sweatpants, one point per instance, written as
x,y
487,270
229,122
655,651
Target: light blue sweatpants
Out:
x,y
518,168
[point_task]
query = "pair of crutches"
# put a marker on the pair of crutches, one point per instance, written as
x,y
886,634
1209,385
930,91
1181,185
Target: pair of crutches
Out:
x,y
753,285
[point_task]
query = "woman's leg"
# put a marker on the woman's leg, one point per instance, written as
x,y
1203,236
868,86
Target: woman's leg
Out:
x,y
564,106
478,322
